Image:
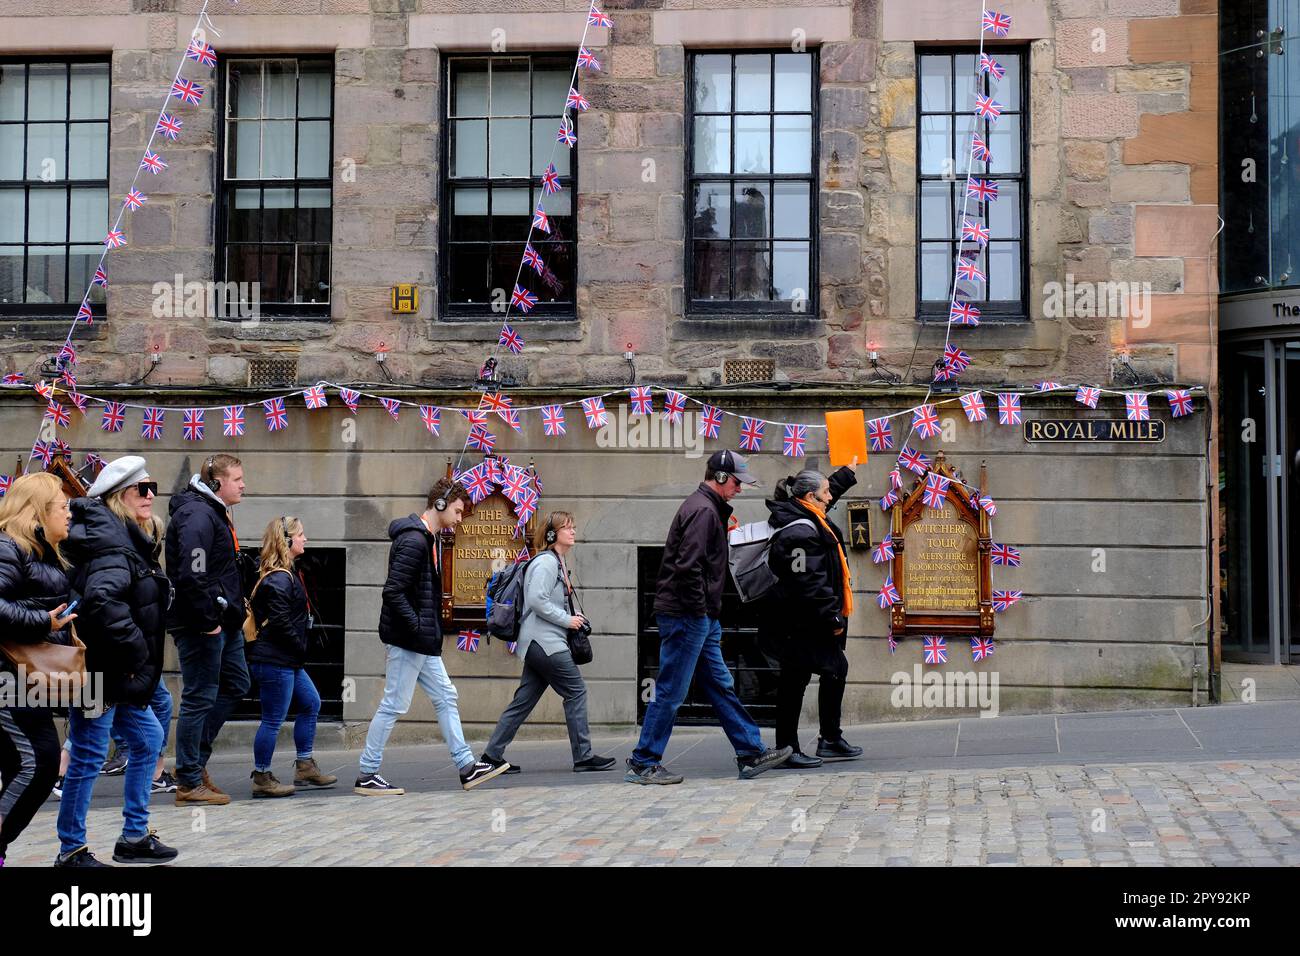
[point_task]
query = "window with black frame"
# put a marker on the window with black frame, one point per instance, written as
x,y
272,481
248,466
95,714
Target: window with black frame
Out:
x,y
53,184
752,182
502,117
946,123
275,224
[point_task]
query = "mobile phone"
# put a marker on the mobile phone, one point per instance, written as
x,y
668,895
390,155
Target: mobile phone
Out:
x,y
71,607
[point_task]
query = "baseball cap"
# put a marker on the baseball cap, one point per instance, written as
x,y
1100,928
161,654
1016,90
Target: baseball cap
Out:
x,y
732,464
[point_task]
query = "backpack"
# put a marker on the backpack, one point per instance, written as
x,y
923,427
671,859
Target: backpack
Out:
x,y
504,601
748,556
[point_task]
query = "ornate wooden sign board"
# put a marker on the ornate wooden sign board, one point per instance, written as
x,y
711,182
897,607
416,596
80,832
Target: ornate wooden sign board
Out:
x,y
481,546
941,562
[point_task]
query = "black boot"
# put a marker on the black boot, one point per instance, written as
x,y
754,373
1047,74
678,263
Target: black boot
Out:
x,y
837,750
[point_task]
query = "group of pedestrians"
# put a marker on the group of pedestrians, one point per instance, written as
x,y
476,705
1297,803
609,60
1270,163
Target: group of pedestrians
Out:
x,y
89,570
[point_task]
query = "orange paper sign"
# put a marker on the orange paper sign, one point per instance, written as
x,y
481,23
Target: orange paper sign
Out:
x,y
847,434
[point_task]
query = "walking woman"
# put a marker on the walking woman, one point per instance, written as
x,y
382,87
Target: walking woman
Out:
x,y
33,609
277,659
806,622
543,644
124,599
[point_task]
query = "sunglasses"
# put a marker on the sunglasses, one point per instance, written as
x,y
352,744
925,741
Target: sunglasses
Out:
x,y
146,488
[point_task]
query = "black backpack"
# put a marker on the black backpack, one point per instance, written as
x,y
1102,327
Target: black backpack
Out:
x,y
504,600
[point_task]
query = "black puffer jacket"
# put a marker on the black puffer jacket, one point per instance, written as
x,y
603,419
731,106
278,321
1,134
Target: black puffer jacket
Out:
x,y
202,561
280,608
799,618
124,596
30,587
409,618
694,568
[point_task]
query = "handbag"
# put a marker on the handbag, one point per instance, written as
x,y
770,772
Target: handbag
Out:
x,y
55,671
251,627
578,638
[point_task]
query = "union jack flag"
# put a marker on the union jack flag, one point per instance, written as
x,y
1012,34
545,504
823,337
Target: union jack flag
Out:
x,y
999,24
1087,395
987,107
936,650
985,190
44,451
980,648
969,269
974,232
350,398
13,378
944,373
188,91
516,484
70,380
889,500
468,641
512,340
751,434
642,399
315,396
511,418
992,67
58,414
597,19
972,404
85,314
45,390
710,421
985,502
520,558
94,462
550,180
114,417
576,100
276,416
1008,408
1004,554
135,199
893,644
540,220
151,427
553,420
192,424
169,126
115,239
481,439
101,277
1180,401
494,402
674,406
1136,407
895,478
881,434
888,595
5,481
980,149
587,60
432,418
475,417
232,421
152,162
526,506
963,313
936,490
392,406
594,409
793,441
913,460
956,358
925,421
477,482
1004,599
883,551
1046,386
201,53
565,133
531,258
522,299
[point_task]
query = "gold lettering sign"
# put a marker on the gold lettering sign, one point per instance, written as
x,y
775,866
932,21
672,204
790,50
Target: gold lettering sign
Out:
x,y
941,563
483,545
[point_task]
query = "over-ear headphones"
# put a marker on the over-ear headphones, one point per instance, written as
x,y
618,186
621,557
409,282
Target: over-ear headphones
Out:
x,y
720,476
440,504
209,479
550,535
284,526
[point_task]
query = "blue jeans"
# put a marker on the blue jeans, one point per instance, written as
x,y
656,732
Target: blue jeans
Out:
x,y
89,739
161,705
277,687
404,670
214,677
684,641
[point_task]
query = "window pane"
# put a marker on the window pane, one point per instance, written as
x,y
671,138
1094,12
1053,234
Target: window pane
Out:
x,y
543,141
11,275
936,216
559,212
88,151
511,213
314,150
1007,89
712,211
504,266
47,91
936,271
245,150
975,291
790,271
557,275
313,273
47,215
713,144
510,88
469,219
713,83
793,81
468,274
242,263
314,215
793,144
279,218
712,268
550,89
1004,212
281,88
753,144
967,81
89,215
46,274
278,273
753,270
11,215
81,266
45,150
753,82
11,151
936,84
508,146
752,202
13,91
1004,144
277,149
314,83
244,224
791,210
469,148
1004,270
244,89
89,91
469,88
936,146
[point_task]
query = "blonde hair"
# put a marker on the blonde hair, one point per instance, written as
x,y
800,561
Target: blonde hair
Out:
x,y
24,507
151,526
555,521
275,548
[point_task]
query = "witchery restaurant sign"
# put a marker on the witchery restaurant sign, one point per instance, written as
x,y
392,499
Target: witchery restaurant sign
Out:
x,y
1093,429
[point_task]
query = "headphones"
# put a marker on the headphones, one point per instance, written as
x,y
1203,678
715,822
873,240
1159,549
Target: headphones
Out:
x,y
284,526
440,504
211,480
721,477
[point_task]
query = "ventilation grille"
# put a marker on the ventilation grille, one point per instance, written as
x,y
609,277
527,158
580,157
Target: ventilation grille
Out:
x,y
736,371
271,373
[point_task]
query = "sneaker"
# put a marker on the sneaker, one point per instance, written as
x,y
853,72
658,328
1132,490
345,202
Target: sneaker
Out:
x,y
115,765
751,767
655,773
147,849
200,794
510,767
58,789
265,785
801,761
373,785
480,772
837,750
306,773
165,783
81,856
593,763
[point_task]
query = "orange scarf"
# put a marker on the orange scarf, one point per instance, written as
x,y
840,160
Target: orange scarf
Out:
x,y
820,514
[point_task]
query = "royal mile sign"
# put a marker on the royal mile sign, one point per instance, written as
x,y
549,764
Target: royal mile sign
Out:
x,y
1093,429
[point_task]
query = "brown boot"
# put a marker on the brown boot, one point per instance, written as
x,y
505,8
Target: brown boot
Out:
x,y
207,782
265,785
307,773
200,794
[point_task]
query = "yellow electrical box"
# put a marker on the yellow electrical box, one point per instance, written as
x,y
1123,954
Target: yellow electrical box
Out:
x,y
406,298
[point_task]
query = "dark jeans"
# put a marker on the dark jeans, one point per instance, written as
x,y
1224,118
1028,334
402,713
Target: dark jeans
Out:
x,y
29,766
278,687
214,677
161,705
789,703
541,671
